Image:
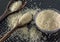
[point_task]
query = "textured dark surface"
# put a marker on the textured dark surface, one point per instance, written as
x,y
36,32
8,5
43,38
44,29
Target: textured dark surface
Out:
x,y
42,4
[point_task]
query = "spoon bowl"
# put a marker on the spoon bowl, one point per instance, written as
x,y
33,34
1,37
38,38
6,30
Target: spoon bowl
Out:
x,y
8,12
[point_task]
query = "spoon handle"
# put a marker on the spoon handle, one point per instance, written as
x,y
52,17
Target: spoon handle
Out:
x,y
6,11
7,35
3,16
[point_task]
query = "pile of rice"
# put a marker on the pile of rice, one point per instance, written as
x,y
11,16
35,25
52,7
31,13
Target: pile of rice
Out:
x,y
24,33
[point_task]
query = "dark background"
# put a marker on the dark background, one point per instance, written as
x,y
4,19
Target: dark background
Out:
x,y
42,4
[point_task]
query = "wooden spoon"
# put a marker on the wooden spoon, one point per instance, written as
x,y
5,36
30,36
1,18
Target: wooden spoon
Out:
x,y
8,12
26,18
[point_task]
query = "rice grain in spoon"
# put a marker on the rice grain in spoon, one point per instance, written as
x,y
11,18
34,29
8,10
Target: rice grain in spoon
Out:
x,y
12,7
26,18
